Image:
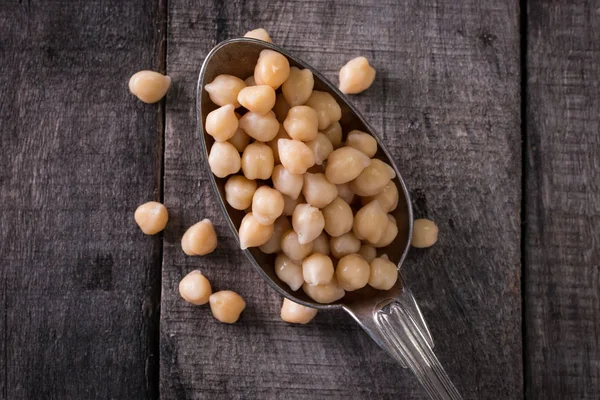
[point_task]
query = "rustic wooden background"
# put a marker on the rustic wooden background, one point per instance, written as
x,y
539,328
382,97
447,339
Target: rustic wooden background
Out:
x,y
490,108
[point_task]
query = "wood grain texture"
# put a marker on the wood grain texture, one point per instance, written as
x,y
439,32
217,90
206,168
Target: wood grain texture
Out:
x,y
446,100
562,284
79,281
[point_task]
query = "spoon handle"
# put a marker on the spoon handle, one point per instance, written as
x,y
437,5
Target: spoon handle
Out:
x,y
397,327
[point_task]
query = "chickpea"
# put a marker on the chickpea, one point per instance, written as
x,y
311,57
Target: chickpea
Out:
x,y
272,68
195,288
356,76
200,239
321,148
328,110
317,190
273,245
149,86
224,90
239,140
249,81
373,179
345,192
260,127
368,252
295,155
324,294
259,99
286,182
352,272
239,191
226,306
384,274
388,197
257,161
282,134
260,34
308,222
252,233
334,134
344,244
151,217
298,86
317,269
289,271
281,108
289,204
368,222
222,123
345,164
389,234
321,244
296,313
267,205
338,217
224,159
425,233
362,141
301,123
292,248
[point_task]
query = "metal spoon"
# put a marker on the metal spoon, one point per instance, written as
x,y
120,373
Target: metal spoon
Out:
x,y
392,318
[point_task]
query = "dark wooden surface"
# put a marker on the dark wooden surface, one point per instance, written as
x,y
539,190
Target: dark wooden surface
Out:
x,y
562,257
81,286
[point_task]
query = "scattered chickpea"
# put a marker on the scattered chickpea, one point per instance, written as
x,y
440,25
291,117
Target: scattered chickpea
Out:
x,y
260,34
298,86
373,179
362,141
295,155
368,252
151,217
317,269
260,127
149,86
301,123
289,204
389,234
257,161
368,222
239,140
282,134
344,244
425,233
272,68
281,108
249,81
273,245
321,148
308,222
226,306
317,190
384,274
334,134
321,244
345,192
239,191
267,205
345,164
224,90
356,76
289,271
324,294
352,272
258,99
328,110
252,233
287,183
296,313
292,248
200,239
195,288
222,123
388,197
224,159
338,217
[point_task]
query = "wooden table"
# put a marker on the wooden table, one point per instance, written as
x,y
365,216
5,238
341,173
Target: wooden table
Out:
x,y
490,108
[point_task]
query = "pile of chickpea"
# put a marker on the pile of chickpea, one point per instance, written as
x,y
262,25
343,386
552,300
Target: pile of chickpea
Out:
x,y
320,205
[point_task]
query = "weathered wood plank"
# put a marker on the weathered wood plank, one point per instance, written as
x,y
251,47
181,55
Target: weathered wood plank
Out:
x,y
446,100
562,257
79,282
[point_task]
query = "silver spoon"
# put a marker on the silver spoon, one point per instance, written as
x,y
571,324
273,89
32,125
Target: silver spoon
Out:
x,y
392,318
